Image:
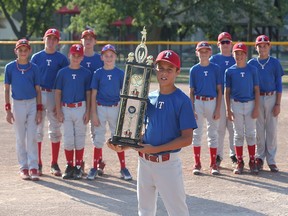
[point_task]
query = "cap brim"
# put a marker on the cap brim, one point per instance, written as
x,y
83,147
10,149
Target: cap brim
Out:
x,y
240,50
51,35
167,62
108,50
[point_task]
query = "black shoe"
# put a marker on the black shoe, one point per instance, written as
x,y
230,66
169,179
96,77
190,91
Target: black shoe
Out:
x,y
55,170
218,160
233,159
77,172
69,171
259,164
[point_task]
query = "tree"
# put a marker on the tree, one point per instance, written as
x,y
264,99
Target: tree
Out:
x,y
35,15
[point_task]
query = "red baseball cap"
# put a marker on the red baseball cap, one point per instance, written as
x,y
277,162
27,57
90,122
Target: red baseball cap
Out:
x,y
108,47
169,56
223,35
202,45
262,39
22,42
240,46
53,32
88,32
77,49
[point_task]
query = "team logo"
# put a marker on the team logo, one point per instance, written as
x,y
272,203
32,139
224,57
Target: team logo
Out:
x,y
53,31
167,54
78,47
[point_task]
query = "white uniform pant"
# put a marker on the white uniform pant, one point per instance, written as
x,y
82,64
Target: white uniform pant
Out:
x,y
105,114
74,129
266,127
205,109
244,124
165,178
25,126
223,124
54,127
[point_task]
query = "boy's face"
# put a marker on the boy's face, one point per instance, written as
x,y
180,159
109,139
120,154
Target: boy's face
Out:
x,y
225,45
51,42
204,53
23,53
109,58
166,73
75,59
239,56
263,49
88,41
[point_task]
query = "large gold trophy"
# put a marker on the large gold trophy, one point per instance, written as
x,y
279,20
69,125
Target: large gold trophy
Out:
x,y
134,96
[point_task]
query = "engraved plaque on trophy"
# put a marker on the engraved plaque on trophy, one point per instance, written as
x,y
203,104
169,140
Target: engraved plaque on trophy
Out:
x,y
134,96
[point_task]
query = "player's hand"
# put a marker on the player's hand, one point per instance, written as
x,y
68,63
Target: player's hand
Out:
x,y
86,118
216,115
195,115
60,116
276,110
116,148
38,117
147,148
9,117
230,115
95,120
255,113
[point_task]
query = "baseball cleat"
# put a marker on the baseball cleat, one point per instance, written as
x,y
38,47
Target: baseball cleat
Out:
x,y
55,170
259,164
77,172
233,159
68,174
218,160
273,168
24,174
125,174
253,167
196,169
34,176
92,174
239,168
100,167
214,170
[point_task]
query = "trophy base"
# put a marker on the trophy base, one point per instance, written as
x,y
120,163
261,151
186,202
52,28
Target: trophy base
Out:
x,y
123,141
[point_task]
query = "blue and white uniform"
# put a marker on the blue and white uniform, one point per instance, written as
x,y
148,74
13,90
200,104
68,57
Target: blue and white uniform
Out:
x,y
224,62
270,83
204,82
108,84
73,83
166,117
24,110
49,65
242,82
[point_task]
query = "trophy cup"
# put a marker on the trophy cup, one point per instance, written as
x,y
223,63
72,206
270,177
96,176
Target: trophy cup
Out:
x,y
134,96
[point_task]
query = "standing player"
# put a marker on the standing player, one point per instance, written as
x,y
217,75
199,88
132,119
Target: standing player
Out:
x,y
106,86
159,165
22,77
92,61
242,104
49,62
72,96
206,95
270,82
224,60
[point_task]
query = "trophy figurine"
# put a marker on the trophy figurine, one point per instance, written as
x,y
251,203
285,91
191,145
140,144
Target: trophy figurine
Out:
x,y
134,96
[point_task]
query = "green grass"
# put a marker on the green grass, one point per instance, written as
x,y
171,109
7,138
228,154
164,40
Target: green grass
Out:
x,y
1,77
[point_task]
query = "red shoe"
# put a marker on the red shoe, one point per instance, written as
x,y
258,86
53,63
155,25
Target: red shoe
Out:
x,y
24,174
100,168
239,168
196,169
214,170
34,176
273,168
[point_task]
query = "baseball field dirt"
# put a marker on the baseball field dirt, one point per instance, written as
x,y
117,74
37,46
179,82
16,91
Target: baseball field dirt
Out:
x,y
224,195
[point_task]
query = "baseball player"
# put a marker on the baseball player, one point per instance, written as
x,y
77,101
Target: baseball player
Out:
x,y
206,95
106,86
270,84
72,96
159,165
242,104
49,62
224,60
22,77
92,61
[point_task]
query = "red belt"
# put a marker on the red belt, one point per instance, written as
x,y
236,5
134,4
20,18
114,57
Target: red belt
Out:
x,y
155,158
266,93
72,105
47,90
204,98
113,105
241,101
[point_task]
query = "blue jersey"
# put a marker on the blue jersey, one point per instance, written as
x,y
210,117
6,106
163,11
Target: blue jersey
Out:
x,y
167,116
204,80
223,62
73,83
49,65
241,82
22,83
108,84
92,63
270,76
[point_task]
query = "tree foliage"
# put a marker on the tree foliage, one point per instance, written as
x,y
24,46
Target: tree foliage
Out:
x,y
35,15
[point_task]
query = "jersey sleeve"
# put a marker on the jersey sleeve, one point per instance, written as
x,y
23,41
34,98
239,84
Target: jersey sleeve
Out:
x,y
186,116
95,80
7,75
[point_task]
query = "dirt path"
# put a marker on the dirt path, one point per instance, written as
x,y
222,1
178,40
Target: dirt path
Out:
x,y
227,194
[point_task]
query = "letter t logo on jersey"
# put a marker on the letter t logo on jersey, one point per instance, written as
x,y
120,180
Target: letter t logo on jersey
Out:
x,y
74,76
242,74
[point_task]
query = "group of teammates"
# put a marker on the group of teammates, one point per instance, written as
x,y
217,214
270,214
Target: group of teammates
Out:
x,y
63,91
243,97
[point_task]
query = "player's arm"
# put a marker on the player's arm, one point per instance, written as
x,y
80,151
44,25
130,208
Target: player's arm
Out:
x,y
59,113
94,116
182,141
9,115
192,98
255,112
229,113
39,104
218,102
86,116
